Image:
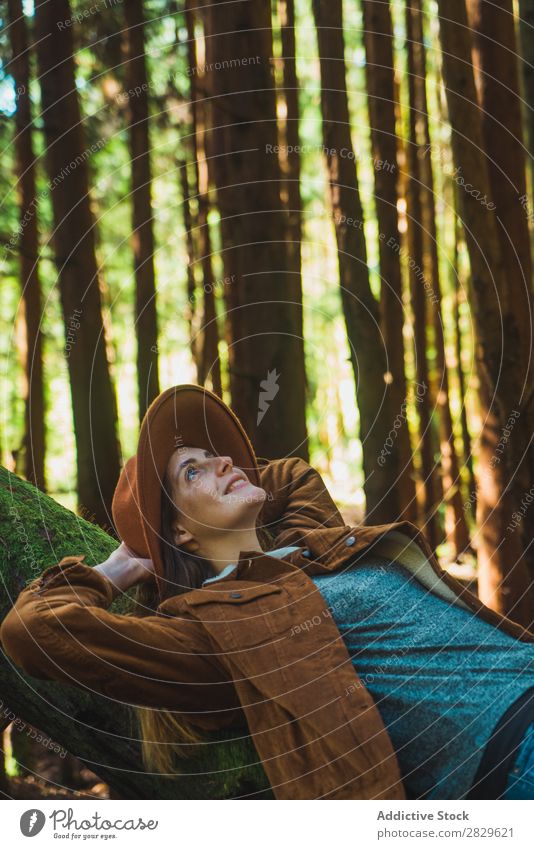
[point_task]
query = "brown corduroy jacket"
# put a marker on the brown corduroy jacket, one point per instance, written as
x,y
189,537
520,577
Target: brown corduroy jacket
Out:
x,y
258,645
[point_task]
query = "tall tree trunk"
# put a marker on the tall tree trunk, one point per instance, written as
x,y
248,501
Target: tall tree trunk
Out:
x,y
207,338
33,444
503,574
526,36
290,147
380,76
81,721
456,524
467,456
142,217
264,329
421,304
360,309
93,398
289,159
191,311
502,129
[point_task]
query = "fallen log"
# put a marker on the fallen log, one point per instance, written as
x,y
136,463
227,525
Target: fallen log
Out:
x,y
36,532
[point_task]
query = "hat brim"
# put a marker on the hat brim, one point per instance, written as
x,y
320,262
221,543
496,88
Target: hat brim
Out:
x,y
184,415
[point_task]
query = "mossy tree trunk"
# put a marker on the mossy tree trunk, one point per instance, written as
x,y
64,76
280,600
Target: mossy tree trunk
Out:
x,y
36,532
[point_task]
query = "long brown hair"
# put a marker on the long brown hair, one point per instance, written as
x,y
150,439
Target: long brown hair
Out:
x,y
165,735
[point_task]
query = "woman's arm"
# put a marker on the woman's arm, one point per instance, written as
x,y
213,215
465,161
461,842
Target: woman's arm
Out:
x,y
297,498
59,628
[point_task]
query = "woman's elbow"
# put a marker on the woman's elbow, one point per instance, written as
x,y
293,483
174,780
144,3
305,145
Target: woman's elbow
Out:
x,y
21,644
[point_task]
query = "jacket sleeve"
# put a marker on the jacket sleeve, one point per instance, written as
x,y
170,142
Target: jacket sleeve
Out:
x,y
59,629
297,498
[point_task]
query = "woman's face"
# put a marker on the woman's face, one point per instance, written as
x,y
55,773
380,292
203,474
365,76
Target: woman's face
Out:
x,y
212,496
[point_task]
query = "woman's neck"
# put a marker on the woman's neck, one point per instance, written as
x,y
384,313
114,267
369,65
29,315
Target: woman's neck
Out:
x,y
226,550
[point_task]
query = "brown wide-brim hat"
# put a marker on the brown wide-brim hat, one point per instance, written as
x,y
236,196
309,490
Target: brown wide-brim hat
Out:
x,y
184,415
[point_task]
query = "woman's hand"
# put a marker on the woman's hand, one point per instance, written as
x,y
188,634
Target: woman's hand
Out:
x,y
125,569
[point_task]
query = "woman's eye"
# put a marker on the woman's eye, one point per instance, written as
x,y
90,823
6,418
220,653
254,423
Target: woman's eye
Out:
x,y
188,470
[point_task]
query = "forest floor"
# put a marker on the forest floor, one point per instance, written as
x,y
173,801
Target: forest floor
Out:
x,y
38,787
32,787
37,772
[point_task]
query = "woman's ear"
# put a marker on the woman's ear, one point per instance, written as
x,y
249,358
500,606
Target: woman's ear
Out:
x,y
183,537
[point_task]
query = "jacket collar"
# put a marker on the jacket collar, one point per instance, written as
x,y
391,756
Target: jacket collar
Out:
x,y
257,566
281,554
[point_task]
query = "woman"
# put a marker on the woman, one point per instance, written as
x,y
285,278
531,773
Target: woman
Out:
x,y
361,668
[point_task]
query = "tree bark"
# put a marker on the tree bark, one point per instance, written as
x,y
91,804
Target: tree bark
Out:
x,y
93,398
36,532
263,327
456,524
380,76
33,442
502,129
467,456
191,309
290,149
146,320
421,303
526,36
360,309
207,334
504,577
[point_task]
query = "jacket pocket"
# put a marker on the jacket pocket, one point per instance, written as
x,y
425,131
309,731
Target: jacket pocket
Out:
x,y
243,616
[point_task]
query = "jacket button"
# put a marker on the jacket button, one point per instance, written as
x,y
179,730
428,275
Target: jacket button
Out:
x,y
235,595
306,552
350,540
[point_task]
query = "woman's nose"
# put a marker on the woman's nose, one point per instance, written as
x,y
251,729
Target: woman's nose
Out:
x,y
223,464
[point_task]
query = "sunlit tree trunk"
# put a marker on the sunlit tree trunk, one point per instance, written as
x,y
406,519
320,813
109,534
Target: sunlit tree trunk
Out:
x,y
502,128
290,144
467,455
146,323
360,309
264,329
289,157
526,37
380,75
29,324
67,154
191,311
503,575
422,306
456,524
207,334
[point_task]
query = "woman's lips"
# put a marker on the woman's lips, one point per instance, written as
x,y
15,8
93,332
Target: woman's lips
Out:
x,y
237,485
